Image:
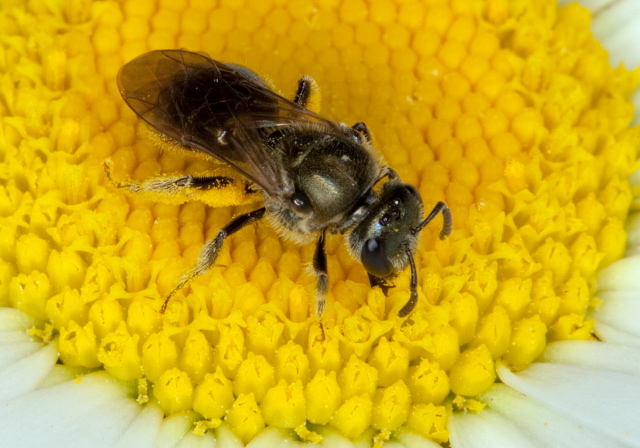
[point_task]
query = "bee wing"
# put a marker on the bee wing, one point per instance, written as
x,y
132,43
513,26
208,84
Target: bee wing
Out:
x,y
221,110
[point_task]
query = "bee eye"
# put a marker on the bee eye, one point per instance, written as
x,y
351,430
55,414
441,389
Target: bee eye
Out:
x,y
374,259
393,215
300,202
413,191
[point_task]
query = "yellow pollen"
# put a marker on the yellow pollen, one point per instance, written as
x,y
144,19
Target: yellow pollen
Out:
x,y
509,113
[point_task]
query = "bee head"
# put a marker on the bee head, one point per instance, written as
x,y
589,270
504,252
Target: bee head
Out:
x,y
388,232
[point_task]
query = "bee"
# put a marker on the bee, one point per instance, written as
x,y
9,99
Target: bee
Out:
x,y
315,175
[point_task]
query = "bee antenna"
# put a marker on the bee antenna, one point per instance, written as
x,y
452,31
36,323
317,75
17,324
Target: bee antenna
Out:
x,y
440,207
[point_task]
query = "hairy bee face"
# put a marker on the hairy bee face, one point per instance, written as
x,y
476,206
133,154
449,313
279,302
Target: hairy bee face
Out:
x,y
381,240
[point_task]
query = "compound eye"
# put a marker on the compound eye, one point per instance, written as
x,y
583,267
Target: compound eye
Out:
x,y
374,259
300,202
413,191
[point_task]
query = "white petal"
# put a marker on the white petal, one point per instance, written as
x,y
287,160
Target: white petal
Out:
x,y
92,411
541,425
621,275
190,440
616,26
174,428
24,362
600,355
411,440
616,336
24,375
144,429
177,431
601,400
276,438
485,429
620,310
619,291
14,320
332,438
273,438
227,439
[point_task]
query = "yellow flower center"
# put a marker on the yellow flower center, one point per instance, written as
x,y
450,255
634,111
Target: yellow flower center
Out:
x,y
508,111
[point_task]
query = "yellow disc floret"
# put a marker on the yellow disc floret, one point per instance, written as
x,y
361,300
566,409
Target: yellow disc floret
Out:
x,y
508,111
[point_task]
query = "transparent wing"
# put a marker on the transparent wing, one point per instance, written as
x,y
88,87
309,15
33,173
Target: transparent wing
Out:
x,y
221,110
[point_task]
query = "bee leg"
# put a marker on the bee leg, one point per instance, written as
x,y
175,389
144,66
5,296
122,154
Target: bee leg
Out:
x,y
203,182
440,207
380,282
306,86
413,288
362,129
210,250
320,266
170,185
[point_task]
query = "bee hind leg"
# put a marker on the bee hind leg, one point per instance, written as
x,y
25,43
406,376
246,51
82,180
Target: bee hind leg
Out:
x,y
209,252
320,267
166,187
304,90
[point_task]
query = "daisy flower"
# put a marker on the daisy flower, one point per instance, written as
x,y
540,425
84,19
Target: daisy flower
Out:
x,y
526,330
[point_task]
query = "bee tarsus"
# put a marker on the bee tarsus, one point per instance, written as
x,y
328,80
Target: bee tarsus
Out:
x,y
211,249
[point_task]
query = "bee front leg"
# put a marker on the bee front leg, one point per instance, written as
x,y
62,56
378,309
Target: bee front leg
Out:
x,y
320,267
209,252
413,288
380,282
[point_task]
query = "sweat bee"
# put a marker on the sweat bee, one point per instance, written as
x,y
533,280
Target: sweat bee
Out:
x,y
315,175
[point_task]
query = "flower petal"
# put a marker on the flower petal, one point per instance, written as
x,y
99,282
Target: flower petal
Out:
x,y
412,440
621,275
97,412
276,438
597,400
226,438
617,315
541,425
144,429
483,429
22,376
617,33
616,336
24,363
619,310
612,27
600,355
14,320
